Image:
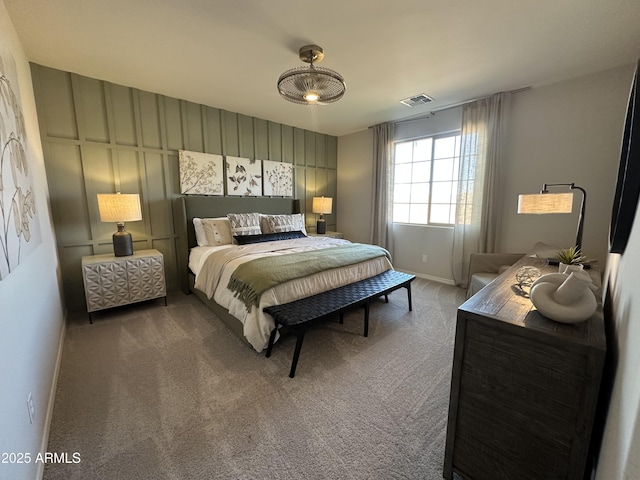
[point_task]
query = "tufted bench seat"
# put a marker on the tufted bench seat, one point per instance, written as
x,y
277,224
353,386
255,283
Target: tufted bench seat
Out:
x,y
298,314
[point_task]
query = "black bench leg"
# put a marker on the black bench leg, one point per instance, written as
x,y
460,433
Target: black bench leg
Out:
x,y
341,321
366,319
296,353
272,339
409,297
386,298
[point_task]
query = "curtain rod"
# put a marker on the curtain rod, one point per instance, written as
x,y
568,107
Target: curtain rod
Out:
x,y
422,116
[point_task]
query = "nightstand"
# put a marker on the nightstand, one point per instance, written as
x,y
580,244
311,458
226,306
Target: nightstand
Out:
x,y
111,281
327,234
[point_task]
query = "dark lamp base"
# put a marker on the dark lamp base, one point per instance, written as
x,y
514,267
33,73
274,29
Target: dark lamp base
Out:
x,y
321,227
122,243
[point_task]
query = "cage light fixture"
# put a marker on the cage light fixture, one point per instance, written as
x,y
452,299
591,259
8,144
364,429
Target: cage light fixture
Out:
x,y
311,85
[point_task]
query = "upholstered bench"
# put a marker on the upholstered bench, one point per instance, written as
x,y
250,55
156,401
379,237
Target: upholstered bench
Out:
x,y
298,314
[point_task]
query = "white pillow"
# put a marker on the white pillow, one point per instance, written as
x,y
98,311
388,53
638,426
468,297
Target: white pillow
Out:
x,y
201,237
244,223
284,223
212,231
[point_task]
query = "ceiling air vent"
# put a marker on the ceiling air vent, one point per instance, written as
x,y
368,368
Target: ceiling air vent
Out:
x,y
417,100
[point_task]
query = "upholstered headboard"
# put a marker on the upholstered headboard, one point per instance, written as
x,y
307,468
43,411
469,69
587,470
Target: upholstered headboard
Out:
x,y
189,207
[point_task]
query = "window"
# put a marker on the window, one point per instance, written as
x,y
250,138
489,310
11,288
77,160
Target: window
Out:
x,y
425,180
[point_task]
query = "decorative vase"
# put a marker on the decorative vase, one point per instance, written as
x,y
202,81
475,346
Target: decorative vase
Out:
x,y
568,268
564,297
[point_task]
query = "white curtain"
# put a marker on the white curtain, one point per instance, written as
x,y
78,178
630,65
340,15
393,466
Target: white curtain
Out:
x,y
479,199
381,221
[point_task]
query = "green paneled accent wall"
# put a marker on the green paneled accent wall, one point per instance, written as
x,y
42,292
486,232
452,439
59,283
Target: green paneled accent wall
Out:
x,y
99,137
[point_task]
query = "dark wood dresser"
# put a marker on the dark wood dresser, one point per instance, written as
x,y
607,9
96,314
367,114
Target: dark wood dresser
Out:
x,y
524,389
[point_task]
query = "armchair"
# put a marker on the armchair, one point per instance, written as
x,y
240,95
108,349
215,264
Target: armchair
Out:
x,y
485,267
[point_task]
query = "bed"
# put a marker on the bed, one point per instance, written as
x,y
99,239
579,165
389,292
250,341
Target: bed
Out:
x,y
209,271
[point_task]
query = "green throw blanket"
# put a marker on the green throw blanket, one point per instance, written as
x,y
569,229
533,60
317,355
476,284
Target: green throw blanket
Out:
x,y
252,278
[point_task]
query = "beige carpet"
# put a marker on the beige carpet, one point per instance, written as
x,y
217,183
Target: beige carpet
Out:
x,y
155,392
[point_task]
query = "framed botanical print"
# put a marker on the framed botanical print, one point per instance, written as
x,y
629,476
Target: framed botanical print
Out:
x,y
278,179
201,173
244,177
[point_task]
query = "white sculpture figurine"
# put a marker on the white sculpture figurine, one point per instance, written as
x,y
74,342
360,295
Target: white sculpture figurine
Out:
x,y
563,297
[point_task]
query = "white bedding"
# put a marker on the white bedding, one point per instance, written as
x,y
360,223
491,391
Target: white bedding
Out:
x,y
256,325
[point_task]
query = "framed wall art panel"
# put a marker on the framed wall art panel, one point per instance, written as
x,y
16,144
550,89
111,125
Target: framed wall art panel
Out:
x,y
278,179
244,177
201,173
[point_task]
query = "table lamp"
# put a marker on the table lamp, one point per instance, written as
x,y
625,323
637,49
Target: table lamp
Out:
x,y
321,205
120,208
545,202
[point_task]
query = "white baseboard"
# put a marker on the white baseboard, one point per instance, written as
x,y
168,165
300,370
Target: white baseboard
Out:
x,y
446,281
52,397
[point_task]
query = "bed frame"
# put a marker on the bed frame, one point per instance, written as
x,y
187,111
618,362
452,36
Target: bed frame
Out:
x,y
189,207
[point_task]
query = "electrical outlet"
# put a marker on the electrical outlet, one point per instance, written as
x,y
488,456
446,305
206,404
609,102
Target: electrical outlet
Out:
x,y
424,259
31,408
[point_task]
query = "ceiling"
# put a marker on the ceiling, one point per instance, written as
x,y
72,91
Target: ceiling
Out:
x,y
229,54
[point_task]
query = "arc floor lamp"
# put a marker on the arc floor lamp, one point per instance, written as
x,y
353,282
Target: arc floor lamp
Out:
x,y
545,202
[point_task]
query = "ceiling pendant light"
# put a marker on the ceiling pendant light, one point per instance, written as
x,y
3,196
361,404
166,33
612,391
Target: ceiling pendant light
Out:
x,y
311,85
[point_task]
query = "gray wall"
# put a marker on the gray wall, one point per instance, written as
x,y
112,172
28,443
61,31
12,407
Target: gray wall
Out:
x,y
565,132
100,137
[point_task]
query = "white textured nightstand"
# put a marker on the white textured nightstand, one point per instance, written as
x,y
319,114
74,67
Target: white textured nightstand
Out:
x,y
327,234
111,281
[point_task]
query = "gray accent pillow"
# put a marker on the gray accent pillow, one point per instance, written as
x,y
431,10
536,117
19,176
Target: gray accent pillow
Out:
x,y
244,223
284,223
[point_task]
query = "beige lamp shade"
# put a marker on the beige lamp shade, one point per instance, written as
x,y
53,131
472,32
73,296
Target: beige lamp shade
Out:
x,y
119,207
541,203
322,205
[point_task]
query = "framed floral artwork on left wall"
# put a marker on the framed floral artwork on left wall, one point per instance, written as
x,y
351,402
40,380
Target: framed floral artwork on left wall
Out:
x,y
19,222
